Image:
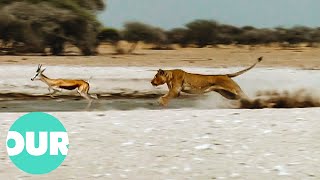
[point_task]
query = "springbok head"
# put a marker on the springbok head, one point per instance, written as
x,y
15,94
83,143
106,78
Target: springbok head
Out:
x,y
38,72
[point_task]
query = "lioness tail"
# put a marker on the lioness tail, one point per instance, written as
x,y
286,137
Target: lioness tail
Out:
x,y
245,70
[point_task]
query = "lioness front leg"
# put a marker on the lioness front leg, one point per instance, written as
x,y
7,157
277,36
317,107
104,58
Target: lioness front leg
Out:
x,y
164,100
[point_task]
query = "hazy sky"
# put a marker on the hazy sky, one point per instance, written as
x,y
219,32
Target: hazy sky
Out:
x,y
175,13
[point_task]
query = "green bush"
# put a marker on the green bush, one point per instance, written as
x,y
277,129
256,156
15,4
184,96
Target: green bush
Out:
x,y
136,31
51,23
109,35
202,32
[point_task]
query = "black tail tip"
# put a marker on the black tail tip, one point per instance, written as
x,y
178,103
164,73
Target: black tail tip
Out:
x,y
260,58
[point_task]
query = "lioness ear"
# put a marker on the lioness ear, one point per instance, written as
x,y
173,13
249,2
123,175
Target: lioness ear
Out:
x,y
161,72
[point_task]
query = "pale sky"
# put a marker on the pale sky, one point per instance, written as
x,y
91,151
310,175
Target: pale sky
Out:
x,y
169,14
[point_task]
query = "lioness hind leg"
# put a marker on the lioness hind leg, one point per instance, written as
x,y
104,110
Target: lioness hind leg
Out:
x,y
241,94
228,93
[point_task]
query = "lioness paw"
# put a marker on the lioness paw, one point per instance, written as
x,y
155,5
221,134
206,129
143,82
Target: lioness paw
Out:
x,y
163,101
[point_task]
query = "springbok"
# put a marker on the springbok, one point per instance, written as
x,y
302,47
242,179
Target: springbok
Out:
x,y
69,84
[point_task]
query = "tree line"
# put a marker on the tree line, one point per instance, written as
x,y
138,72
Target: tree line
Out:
x,y
202,33
38,26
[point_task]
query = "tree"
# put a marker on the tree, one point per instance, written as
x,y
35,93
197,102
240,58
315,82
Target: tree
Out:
x,y
51,23
109,35
135,32
226,34
314,37
178,36
252,36
202,32
298,34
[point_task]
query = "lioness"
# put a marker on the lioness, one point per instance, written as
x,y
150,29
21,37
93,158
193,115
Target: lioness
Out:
x,y
178,80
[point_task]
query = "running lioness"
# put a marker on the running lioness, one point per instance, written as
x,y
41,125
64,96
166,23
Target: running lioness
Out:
x,y
179,80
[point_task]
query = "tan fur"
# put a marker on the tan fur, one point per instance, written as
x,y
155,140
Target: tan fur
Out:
x,y
56,85
178,81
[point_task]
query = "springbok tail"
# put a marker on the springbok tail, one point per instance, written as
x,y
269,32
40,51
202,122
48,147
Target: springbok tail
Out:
x,y
245,70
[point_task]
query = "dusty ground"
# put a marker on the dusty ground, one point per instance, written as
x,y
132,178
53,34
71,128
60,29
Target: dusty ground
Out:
x,y
183,144
127,88
226,56
129,137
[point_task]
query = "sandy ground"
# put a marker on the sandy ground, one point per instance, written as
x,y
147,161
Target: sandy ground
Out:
x,y
195,138
225,56
127,88
130,79
184,144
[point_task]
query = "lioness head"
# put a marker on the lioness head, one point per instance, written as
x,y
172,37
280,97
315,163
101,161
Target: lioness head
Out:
x,y
160,78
